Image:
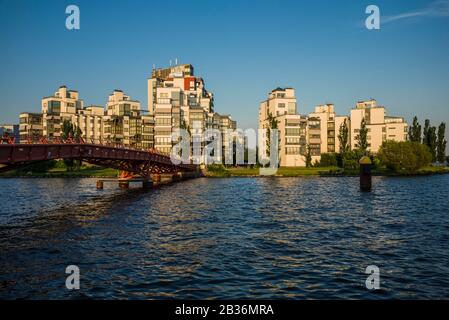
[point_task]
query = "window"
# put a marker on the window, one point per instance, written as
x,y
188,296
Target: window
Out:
x,y
292,108
163,121
292,150
292,140
163,140
292,131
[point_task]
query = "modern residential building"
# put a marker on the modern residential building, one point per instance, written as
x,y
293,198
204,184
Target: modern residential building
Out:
x,y
176,99
122,122
12,130
63,105
330,125
30,127
320,129
179,99
295,131
380,127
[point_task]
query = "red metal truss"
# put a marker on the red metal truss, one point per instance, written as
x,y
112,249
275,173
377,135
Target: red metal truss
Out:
x,y
136,161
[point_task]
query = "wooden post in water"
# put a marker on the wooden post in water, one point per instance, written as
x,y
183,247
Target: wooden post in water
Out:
x,y
365,174
123,184
147,183
156,178
99,184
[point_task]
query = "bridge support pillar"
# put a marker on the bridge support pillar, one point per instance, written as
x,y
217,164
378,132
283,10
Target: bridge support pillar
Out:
x,y
167,178
123,184
99,184
176,177
156,179
147,183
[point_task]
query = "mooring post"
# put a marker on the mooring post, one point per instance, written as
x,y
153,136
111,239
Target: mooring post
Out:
x,y
156,179
176,177
365,174
99,184
147,183
123,184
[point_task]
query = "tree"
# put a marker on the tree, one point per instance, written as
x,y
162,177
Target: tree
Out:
x,y
433,143
308,156
441,143
430,139
425,139
414,132
272,124
67,130
343,137
405,156
361,138
78,134
328,160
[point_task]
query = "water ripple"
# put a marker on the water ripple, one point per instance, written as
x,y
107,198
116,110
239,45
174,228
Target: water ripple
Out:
x,y
290,238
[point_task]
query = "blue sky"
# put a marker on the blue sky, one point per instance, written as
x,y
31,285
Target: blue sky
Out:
x,y
242,49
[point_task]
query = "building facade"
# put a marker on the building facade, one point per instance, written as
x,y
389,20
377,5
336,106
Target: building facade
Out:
x,y
380,126
320,129
295,131
121,123
179,100
12,130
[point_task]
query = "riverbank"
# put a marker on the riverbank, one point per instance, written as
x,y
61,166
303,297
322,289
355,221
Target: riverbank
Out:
x,y
317,172
222,172
88,172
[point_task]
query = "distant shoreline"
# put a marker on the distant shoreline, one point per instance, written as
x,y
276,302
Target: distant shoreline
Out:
x,y
233,173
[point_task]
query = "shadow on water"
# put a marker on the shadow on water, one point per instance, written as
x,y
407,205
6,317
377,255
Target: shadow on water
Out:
x,y
47,224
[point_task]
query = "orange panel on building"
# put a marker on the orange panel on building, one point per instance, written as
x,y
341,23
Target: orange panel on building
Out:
x,y
187,82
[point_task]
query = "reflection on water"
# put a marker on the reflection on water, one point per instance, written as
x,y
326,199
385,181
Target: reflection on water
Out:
x,y
225,238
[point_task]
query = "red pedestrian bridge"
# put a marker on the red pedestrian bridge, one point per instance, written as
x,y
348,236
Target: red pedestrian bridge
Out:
x,y
131,162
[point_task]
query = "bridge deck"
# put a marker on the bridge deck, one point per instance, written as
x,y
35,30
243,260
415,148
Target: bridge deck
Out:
x,y
132,160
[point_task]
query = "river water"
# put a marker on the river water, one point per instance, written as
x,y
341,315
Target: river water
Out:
x,y
279,238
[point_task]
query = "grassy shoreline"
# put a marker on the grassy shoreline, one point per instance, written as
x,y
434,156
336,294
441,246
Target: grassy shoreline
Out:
x,y
89,172
95,172
319,172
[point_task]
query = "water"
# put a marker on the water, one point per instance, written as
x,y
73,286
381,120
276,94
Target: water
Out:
x,y
289,238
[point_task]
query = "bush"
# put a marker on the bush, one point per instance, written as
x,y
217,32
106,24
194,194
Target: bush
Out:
x,y
328,160
218,169
350,159
404,156
42,166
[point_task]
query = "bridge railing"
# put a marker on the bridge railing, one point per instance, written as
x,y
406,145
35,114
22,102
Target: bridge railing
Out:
x,y
71,148
7,139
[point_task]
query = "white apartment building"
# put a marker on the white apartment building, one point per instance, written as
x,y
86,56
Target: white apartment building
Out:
x,y
380,127
178,99
330,124
63,105
120,123
320,129
295,132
